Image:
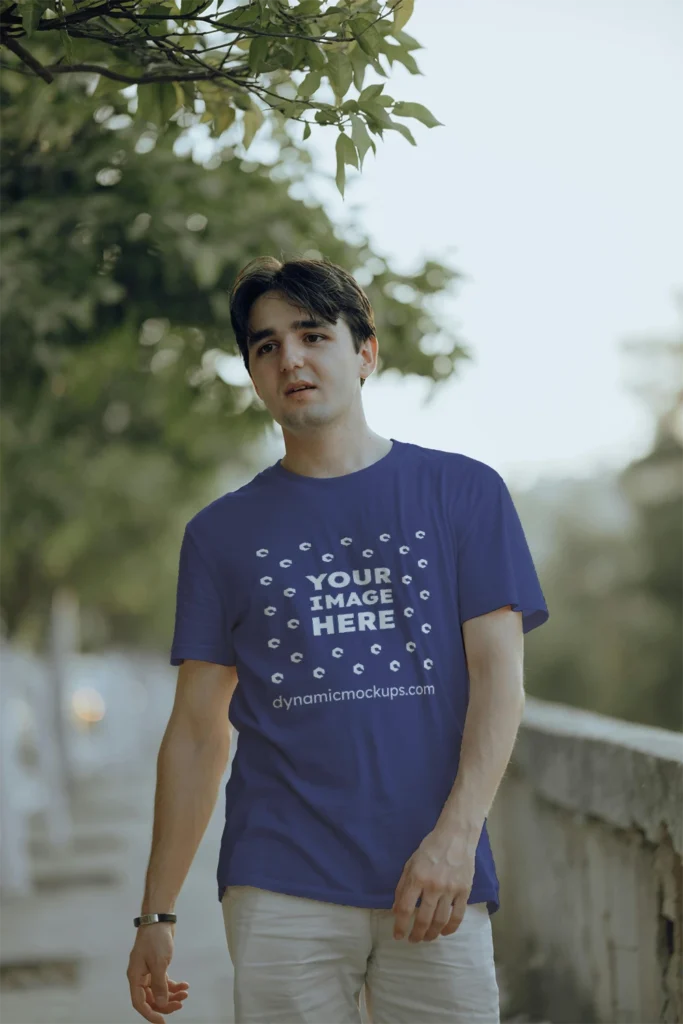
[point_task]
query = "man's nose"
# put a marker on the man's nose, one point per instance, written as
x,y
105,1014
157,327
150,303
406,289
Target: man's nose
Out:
x,y
291,354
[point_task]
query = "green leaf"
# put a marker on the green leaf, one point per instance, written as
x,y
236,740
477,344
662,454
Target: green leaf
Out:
x,y
377,112
241,16
325,116
289,108
66,43
359,64
405,132
361,139
224,118
185,94
309,84
346,154
148,108
283,57
168,102
159,27
370,93
417,111
407,42
307,130
340,176
157,102
402,13
407,59
298,48
367,36
242,100
346,148
253,119
314,55
339,73
258,53
31,13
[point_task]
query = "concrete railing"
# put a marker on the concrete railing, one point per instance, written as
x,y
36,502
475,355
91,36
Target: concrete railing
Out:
x,y
587,833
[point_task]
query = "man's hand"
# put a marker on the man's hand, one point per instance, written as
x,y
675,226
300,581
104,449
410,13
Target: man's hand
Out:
x,y
151,990
441,872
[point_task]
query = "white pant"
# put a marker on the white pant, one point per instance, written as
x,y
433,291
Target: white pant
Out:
x,y
303,961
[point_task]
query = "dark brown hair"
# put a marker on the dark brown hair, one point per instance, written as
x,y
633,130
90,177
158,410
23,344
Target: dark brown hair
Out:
x,y
321,287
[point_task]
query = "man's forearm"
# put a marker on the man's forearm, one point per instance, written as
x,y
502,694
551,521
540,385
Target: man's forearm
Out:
x,y
494,713
189,772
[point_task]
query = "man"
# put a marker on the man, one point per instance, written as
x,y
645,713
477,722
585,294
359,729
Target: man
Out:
x,y
356,612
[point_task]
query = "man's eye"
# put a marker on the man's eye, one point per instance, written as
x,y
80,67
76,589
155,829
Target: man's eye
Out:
x,y
269,344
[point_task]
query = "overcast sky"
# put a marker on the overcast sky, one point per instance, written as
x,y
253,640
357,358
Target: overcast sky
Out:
x,y
555,186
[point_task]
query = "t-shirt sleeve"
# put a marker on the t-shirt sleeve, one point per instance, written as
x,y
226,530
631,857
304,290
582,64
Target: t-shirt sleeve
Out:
x,y
495,567
202,621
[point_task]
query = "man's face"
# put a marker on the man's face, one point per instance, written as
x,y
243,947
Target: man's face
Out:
x,y
291,348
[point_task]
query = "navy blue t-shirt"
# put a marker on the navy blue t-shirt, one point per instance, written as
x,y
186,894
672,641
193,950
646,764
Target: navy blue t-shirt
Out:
x,y
340,600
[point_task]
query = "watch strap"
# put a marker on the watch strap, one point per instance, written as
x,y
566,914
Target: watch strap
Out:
x,y
153,918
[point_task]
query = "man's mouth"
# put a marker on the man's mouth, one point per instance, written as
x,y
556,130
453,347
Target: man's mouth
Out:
x,y
303,387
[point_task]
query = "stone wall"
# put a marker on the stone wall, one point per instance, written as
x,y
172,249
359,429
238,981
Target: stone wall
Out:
x,y
587,835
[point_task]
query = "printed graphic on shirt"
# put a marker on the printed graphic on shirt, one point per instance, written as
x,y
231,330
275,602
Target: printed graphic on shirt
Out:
x,y
344,600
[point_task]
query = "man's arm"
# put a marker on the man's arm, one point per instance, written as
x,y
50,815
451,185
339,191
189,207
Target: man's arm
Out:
x,y
192,759
441,870
494,648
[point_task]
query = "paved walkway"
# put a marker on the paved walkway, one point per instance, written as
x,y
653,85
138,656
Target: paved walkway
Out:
x,y
83,909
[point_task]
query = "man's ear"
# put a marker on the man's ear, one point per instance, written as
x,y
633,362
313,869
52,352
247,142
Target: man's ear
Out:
x,y
367,342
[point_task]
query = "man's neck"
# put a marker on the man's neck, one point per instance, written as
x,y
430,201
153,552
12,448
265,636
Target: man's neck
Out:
x,y
335,460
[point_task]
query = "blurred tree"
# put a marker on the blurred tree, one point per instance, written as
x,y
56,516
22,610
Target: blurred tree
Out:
x,y
596,651
654,485
117,349
261,61
613,580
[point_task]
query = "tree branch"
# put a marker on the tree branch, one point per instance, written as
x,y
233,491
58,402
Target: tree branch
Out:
x,y
27,58
106,9
113,9
95,69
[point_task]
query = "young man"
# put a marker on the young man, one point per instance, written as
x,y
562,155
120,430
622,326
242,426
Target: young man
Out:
x,y
356,612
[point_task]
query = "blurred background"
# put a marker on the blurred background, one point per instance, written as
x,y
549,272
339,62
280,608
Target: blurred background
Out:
x,y
524,261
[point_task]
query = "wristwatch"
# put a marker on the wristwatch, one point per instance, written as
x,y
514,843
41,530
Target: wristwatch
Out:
x,y
153,918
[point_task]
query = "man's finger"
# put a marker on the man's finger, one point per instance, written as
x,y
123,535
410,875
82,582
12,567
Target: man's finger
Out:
x,y
455,920
423,920
404,908
174,1003
441,918
173,997
159,986
139,1000
181,993
177,986
159,982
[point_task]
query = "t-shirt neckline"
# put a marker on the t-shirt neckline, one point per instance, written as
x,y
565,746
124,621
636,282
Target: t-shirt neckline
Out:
x,y
357,476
